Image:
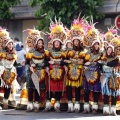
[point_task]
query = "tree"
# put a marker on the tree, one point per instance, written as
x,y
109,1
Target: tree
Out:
x,y
67,10
5,13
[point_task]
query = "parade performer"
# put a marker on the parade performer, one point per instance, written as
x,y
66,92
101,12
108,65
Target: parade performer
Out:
x,y
55,83
92,72
2,35
37,61
75,60
108,82
8,76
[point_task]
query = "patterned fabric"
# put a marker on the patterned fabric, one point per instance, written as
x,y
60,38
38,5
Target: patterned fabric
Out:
x,y
75,70
39,60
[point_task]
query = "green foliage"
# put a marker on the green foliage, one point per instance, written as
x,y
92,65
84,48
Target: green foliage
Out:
x,y
67,10
5,5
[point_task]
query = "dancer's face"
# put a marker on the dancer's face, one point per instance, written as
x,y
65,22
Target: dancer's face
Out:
x,y
76,42
10,45
57,44
109,51
69,45
40,44
96,45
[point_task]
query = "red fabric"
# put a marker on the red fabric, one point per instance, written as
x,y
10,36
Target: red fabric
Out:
x,y
55,85
1,89
42,96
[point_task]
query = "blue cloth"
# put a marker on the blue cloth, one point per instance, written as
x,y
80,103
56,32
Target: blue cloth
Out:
x,y
21,71
18,47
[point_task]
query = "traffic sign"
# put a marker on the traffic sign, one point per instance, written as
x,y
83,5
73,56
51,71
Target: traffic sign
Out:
x,y
117,22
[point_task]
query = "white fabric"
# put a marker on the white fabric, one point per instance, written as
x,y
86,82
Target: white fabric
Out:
x,y
48,105
21,56
77,106
36,105
113,110
15,43
106,110
30,106
87,107
94,107
57,105
70,106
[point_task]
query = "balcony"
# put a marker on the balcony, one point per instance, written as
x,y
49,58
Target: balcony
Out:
x,y
110,7
23,11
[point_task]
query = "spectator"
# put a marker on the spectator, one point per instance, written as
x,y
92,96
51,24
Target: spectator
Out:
x,y
17,41
20,63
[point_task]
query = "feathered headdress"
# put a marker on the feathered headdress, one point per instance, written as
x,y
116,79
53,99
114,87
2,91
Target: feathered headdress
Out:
x,y
91,36
4,37
33,36
77,30
57,31
110,34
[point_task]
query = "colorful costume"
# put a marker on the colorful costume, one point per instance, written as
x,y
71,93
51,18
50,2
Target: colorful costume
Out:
x,y
108,83
76,58
8,76
55,83
36,74
92,71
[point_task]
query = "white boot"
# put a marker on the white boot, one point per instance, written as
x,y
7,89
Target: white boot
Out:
x,y
86,108
70,107
113,111
5,103
30,107
47,106
57,106
106,110
94,108
36,106
77,107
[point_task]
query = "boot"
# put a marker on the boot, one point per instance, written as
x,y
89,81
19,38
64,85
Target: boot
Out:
x,y
86,108
70,107
36,106
106,110
47,106
113,111
57,106
30,107
94,108
77,107
5,104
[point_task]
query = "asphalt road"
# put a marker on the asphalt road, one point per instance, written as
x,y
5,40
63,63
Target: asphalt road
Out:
x,y
23,115
12,114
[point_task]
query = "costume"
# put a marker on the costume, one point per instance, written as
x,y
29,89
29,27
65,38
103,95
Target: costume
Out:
x,y
75,57
8,75
39,60
108,84
92,71
55,82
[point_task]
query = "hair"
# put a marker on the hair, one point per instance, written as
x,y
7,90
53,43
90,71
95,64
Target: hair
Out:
x,y
16,39
22,46
79,47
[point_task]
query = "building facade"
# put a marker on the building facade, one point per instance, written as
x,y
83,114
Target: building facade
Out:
x,y
24,18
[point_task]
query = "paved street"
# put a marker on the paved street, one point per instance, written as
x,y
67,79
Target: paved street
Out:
x,y
12,114
23,115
